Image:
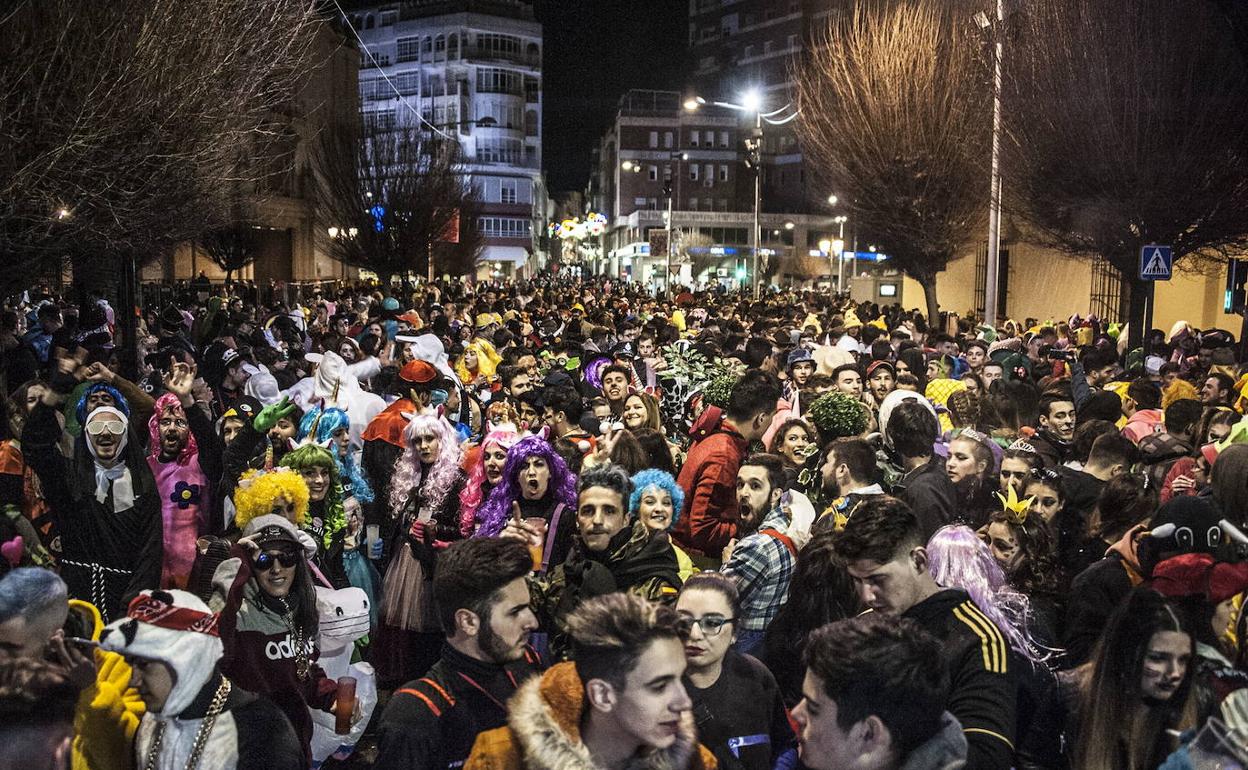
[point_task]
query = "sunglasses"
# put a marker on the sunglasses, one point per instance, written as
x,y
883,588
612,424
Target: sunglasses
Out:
x,y
711,625
115,427
267,559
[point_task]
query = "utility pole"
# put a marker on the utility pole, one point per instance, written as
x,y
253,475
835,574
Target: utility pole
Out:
x,y
991,277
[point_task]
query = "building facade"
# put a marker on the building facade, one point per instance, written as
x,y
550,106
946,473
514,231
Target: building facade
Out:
x,y
471,69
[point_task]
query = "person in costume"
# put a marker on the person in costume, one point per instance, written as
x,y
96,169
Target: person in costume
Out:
x,y
485,472
331,428
184,457
327,519
196,718
656,501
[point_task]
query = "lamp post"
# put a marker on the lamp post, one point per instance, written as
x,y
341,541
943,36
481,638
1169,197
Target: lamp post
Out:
x,y
751,102
991,273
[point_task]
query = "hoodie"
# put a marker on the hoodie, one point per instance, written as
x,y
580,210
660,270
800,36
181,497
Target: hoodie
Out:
x,y
946,750
1095,592
1145,422
543,732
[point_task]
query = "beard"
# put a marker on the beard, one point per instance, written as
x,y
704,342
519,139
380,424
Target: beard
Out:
x,y
494,646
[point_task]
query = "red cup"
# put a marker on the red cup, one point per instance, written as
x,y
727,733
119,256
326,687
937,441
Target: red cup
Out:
x,y
345,705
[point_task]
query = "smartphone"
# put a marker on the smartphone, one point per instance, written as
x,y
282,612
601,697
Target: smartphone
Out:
x,y
78,641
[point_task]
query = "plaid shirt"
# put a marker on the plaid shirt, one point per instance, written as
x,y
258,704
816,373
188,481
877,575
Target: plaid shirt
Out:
x,y
762,565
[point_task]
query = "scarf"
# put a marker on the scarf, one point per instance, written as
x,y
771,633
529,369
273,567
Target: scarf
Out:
x,y
118,474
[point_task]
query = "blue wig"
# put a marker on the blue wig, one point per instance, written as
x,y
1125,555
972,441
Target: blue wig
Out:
x,y
649,478
327,422
80,412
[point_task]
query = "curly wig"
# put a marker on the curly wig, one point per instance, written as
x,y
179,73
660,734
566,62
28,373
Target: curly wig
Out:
x,y
472,496
492,516
317,456
80,411
959,559
408,479
326,423
257,489
169,402
662,480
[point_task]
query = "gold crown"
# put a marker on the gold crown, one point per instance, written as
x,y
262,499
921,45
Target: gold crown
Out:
x,y
1015,510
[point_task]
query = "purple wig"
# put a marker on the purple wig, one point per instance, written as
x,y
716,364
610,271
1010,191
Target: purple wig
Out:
x,y
957,558
471,498
492,516
407,478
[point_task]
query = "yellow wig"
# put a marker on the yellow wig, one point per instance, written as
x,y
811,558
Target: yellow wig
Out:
x,y
257,490
487,361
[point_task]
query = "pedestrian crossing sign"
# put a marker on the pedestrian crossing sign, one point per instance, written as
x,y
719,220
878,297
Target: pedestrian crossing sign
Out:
x,y
1156,262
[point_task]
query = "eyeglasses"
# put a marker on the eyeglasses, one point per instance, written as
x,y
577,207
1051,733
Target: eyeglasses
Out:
x,y
711,625
115,427
267,559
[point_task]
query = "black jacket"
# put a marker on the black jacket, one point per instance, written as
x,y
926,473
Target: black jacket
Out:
x,y
1052,450
1094,594
930,494
431,723
983,696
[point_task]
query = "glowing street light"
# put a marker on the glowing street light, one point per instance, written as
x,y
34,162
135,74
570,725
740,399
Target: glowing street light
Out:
x,y
751,101
832,199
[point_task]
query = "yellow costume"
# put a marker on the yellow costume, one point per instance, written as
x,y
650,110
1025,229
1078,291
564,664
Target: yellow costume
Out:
x,y
108,711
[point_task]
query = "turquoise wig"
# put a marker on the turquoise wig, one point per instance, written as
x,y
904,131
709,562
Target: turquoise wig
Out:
x,y
327,422
650,477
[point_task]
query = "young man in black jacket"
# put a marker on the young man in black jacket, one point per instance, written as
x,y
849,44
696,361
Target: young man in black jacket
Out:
x,y
483,604
912,429
882,545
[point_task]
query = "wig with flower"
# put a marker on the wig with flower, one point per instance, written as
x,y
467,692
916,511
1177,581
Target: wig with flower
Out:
x,y
258,490
170,403
439,479
656,479
319,426
492,516
472,496
317,456
957,558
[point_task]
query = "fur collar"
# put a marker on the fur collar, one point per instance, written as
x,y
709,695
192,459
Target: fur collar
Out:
x,y
545,719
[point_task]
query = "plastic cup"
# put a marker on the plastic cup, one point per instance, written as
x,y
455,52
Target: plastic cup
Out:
x,y
537,546
345,705
372,535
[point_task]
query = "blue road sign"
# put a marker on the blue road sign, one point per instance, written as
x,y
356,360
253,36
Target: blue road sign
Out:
x,y
1156,262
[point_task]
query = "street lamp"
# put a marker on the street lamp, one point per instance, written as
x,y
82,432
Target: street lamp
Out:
x,y
832,200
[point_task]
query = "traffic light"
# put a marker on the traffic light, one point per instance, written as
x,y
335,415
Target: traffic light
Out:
x,y
1236,278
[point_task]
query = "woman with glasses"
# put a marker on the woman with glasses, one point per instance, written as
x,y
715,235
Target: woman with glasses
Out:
x,y
268,618
736,701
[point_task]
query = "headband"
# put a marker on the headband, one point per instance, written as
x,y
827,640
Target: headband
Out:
x,y
147,609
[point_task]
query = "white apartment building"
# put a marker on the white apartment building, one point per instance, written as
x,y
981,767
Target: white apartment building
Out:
x,y
473,69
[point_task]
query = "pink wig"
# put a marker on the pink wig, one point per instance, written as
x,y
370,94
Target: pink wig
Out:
x,y
957,558
472,496
170,403
441,476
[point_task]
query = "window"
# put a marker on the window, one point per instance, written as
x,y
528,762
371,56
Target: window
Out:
x,y
693,172
373,89
452,46
723,138
507,191
368,21
499,81
693,204
388,18
766,47
409,48
530,123
652,204
708,204
693,138
495,150
639,201
708,138
426,48
652,172
532,90
667,140
379,120
709,174
654,138
503,227
667,172
747,52
494,46
723,173
723,204
408,83
439,48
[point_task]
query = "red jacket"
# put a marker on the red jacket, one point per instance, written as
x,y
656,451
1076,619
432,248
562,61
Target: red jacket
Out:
x,y
709,478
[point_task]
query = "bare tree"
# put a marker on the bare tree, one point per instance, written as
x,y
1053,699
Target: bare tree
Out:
x,y
125,123
390,195
895,116
1126,127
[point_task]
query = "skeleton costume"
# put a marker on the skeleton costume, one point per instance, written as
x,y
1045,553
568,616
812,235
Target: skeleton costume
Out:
x,y
207,721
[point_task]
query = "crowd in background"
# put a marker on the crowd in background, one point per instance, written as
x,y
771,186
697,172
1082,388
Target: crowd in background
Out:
x,y
556,524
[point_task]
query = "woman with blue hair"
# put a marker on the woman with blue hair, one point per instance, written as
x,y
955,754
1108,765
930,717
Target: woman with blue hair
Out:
x,y
657,501
333,431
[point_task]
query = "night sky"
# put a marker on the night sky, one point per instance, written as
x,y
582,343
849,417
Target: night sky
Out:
x,y
595,50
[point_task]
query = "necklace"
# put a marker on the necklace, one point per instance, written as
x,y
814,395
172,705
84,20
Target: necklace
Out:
x,y
302,666
201,737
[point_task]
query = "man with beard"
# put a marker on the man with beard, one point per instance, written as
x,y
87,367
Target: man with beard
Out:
x,y
801,364
847,473
611,553
762,562
184,456
482,596
881,379
1057,429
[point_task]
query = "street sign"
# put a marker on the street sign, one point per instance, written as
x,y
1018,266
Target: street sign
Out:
x,y
1156,262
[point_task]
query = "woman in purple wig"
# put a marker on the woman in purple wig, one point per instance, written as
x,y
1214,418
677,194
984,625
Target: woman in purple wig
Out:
x,y
537,483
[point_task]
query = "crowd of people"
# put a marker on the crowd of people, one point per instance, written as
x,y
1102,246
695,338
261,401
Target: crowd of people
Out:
x,y
567,525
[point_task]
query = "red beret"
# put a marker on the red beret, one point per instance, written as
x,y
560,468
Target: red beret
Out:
x,y
1198,574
